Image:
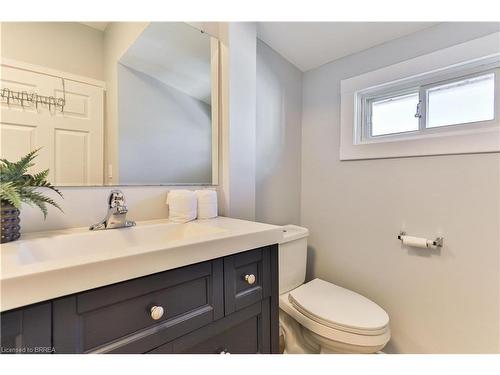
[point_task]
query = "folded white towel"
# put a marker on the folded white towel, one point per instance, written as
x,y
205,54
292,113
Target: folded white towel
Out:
x,y
207,203
182,206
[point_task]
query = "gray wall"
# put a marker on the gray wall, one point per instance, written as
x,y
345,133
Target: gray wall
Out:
x,y
278,138
438,301
173,144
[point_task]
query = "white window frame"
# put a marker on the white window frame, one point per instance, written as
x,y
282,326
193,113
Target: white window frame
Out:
x,y
474,58
421,87
365,115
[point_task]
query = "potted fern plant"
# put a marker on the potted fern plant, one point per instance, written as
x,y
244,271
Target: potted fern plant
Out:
x,y
17,186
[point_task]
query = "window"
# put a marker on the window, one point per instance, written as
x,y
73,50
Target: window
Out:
x,y
416,110
461,102
392,115
440,103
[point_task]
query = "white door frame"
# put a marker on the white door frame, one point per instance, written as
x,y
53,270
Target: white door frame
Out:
x,y
51,72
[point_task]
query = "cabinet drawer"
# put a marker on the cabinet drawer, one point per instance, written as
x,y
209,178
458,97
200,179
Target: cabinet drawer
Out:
x,y
118,318
246,278
245,331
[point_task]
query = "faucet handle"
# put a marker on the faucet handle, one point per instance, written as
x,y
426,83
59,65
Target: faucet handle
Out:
x,y
117,211
116,199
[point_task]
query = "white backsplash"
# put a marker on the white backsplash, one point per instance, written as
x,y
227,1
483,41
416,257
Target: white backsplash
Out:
x,y
86,206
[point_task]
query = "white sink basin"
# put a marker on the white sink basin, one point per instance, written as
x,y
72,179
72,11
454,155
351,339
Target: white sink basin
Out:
x,y
46,265
105,243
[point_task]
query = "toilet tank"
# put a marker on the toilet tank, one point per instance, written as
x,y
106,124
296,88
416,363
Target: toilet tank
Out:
x,y
292,257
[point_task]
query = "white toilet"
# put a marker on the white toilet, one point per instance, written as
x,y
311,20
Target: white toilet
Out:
x,y
318,316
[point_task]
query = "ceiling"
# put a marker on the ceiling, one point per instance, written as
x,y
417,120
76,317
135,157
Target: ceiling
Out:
x,y
175,54
308,45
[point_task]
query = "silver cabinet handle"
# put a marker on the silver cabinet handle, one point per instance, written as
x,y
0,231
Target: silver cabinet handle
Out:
x,y
157,312
250,279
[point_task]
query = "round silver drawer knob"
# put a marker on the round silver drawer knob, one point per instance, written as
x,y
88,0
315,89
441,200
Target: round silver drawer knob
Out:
x,y
157,312
250,279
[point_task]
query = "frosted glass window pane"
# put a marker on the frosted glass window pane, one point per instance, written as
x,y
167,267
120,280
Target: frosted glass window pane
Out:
x,y
460,102
394,115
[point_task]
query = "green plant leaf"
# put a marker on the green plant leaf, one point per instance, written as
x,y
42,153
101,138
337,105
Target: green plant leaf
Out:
x,y
18,186
18,169
39,180
31,196
9,193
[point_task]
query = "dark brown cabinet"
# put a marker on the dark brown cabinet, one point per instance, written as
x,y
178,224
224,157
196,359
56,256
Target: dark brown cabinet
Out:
x,y
225,305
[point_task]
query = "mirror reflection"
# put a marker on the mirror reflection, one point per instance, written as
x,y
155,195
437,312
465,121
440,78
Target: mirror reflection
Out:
x,y
117,103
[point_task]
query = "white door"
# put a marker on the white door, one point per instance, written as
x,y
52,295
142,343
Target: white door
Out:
x,y
71,140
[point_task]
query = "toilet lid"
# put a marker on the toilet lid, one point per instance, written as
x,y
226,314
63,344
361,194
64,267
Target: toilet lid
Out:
x,y
339,308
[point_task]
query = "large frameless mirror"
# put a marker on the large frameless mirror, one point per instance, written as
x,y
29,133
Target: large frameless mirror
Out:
x,y
111,103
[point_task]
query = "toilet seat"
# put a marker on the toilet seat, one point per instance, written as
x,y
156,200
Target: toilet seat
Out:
x,y
343,325
339,308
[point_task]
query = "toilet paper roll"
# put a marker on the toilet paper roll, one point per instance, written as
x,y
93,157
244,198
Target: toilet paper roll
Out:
x,y
182,206
207,203
414,241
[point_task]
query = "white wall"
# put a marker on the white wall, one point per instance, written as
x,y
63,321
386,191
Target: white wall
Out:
x,y
165,135
439,301
238,52
278,138
67,46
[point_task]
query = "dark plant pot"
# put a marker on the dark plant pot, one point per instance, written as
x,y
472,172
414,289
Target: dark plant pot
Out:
x,y
10,228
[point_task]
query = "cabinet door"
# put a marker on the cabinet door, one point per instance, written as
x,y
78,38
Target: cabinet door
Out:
x,y
118,318
27,330
247,278
246,331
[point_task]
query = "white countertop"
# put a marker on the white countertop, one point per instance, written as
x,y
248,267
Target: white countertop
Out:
x,y
45,265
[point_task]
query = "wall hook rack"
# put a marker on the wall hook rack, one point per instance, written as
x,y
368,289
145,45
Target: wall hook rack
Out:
x,y
25,98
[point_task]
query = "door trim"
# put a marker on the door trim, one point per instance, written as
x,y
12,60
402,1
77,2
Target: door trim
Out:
x,y
21,65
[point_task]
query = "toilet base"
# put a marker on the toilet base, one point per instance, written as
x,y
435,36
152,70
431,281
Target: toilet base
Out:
x,y
328,346
295,341
300,340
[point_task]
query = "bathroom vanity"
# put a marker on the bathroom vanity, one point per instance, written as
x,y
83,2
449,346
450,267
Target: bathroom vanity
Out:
x,y
208,287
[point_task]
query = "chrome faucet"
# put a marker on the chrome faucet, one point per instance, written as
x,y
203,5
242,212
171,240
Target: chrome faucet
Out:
x,y
117,212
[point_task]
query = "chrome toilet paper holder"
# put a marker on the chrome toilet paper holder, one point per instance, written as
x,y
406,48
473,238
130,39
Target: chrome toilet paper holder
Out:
x,y
437,242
